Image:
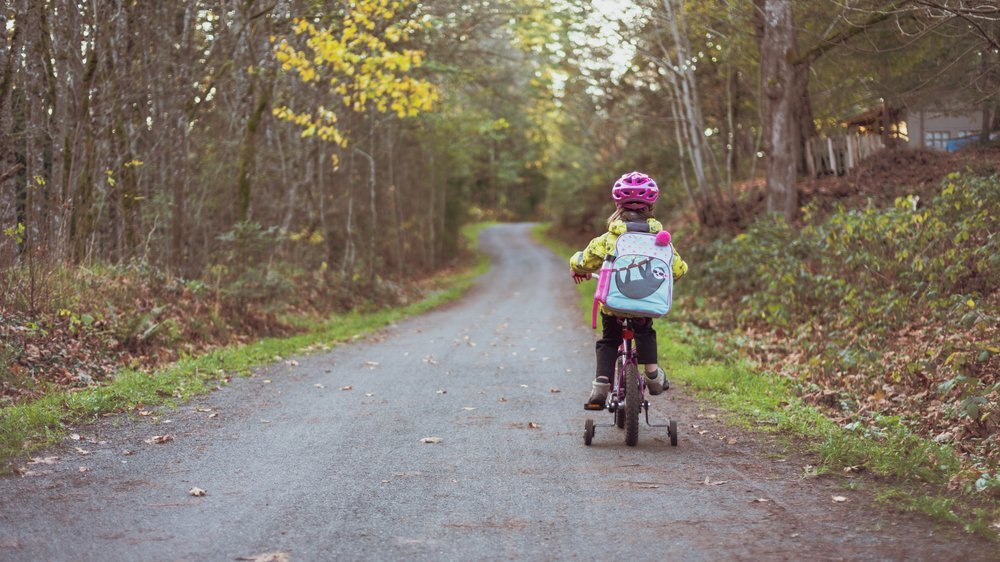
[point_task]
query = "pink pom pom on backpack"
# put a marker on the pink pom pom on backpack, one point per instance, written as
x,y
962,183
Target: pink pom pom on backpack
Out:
x,y
663,238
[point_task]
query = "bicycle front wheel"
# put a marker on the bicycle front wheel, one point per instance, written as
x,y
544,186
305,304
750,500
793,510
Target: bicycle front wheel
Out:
x,y
619,412
633,403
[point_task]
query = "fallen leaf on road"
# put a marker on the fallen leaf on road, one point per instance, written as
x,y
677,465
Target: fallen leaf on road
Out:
x,y
213,415
82,451
75,437
838,499
441,391
197,492
127,452
43,460
204,410
524,386
145,413
348,387
431,440
759,500
385,481
292,363
369,394
267,381
371,364
468,408
503,400
84,469
708,482
265,421
318,385
268,557
532,425
731,441
160,439
643,485
430,360
554,390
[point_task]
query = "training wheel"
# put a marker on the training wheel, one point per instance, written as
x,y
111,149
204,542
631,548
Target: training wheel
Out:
x,y
588,432
672,430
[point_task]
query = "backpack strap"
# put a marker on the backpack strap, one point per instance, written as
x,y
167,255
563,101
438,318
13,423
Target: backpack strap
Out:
x,y
637,227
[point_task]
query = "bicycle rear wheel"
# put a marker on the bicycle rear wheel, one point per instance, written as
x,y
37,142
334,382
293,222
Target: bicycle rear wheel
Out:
x,y
633,403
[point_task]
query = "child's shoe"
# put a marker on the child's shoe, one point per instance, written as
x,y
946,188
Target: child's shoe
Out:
x,y
599,391
656,382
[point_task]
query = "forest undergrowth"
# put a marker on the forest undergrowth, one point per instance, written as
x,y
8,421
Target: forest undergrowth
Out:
x,y
72,328
881,303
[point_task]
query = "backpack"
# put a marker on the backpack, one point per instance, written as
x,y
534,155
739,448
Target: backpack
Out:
x,y
637,279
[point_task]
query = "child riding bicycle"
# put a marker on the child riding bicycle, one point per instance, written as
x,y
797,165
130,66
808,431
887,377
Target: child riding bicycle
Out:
x,y
634,195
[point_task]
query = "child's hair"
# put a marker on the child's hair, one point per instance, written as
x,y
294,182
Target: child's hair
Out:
x,y
631,215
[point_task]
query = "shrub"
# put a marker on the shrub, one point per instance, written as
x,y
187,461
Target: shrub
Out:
x,y
896,307
884,267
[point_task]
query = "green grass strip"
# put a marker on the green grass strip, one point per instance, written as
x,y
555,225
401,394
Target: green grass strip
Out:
x,y
28,427
710,364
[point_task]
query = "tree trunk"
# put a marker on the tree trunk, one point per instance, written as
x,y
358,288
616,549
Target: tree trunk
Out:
x,y
81,193
10,168
685,90
988,101
248,156
778,75
802,110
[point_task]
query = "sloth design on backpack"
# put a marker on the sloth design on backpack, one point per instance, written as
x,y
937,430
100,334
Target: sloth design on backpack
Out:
x,y
637,279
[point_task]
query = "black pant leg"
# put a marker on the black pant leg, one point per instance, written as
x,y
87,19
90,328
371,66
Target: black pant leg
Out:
x,y
607,346
645,341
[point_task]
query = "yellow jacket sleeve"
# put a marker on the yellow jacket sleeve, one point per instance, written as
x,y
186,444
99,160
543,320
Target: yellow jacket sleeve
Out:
x,y
591,258
680,266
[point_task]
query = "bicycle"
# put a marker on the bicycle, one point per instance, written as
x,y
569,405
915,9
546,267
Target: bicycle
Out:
x,y
627,382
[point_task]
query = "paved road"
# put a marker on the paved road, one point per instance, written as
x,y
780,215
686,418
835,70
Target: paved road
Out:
x,y
294,464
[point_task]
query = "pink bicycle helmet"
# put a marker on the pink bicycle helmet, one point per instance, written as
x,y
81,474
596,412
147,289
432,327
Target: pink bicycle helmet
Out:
x,y
635,190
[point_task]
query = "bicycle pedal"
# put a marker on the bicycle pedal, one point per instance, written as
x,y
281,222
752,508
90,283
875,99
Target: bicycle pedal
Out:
x,y
593,407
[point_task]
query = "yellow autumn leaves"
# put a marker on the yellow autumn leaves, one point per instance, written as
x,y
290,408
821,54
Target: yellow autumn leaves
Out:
x,y
359,62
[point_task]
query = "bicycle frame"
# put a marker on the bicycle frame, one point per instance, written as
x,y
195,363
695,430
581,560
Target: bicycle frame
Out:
x,y
626,356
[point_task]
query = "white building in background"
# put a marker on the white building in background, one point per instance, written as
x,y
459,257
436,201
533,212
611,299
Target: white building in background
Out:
x,y
868,133
934,129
